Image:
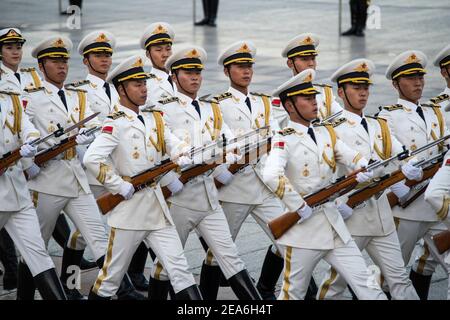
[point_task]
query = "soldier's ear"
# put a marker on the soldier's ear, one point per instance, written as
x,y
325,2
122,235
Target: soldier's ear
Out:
x,y
340,92
41,67
85,61
226,71
395,84
290,63
147,53
444,73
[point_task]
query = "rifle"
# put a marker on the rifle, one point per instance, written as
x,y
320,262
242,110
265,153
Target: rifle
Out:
x,y
388,180
13,156
343,185
62,146
193,171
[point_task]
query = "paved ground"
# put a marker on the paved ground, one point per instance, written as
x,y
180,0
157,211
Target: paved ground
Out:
x,y
411,24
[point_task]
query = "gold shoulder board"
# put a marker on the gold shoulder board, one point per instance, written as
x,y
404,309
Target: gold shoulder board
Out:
x,y
33,89
117,115
223,96
286,131
168,100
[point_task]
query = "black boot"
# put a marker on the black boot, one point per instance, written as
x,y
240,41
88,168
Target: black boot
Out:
x,y
70,258
354,297
190,293
354,16
9,260
243,286
270,272
86,264
49,285
61,233
136,268
209,281
93,296
213,6
127,291
25,283
421,283
158,289
311,293
205,13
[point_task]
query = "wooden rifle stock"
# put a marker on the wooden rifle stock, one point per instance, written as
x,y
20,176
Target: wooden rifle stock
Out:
x,y
283,223
52,152
8,159
442,241
108,201
427,173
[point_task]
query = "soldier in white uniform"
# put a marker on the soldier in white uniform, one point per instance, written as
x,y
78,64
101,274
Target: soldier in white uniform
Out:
x,y
302,160
15,78
61,183
246,194
442,60
438,192
199,123
415,125
157,42
17,214
301,53
135,143
371,223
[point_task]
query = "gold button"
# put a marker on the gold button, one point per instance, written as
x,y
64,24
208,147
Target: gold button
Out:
x,y
7,141
51,121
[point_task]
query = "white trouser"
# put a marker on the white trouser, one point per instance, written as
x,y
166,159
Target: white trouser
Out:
x,y
121,247
346,260
409,232
23,227
76,240
386,254
83,212
213,227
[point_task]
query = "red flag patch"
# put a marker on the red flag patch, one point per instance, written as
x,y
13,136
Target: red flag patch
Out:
x,y
276,102
24,103
107,129
279,145
447,163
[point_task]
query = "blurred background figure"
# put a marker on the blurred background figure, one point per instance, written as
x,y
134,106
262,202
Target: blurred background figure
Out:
x,y
210,12
358,12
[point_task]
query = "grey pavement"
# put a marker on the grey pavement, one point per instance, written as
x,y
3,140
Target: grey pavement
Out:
x,y
404,25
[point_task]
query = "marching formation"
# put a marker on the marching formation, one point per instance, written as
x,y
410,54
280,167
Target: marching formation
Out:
x,y
137,161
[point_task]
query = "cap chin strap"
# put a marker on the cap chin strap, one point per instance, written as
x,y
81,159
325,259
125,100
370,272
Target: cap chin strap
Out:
x,y
178,81
295,68
90,65
296,110
346,97
45,72
128,97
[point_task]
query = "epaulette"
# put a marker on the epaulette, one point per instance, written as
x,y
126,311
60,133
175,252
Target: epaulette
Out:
x,y
440,98
203,99
33,89
286,131
322,85
116,115
152,76
334,123
27,69
76,84
392,107
430,105
148,108
10,92
260,94
76,89
223,96
168,100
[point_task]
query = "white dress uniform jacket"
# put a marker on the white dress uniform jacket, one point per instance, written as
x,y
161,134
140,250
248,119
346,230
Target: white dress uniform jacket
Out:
x,y
297,166
412,132
46,110
28,78
15,128
159,87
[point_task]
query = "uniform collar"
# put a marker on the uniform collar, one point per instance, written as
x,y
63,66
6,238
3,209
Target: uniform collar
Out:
x,y
238,94
407,104
95,80
353,116
298,127
185,98
51,87
159,73
6,69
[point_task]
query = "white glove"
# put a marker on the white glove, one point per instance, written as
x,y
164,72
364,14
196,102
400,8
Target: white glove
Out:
x,y
364,176
126,190
305,213
400,190
231,157
33,171
345,211
184,161
411,172
84,139
175,186
224,177
28,151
